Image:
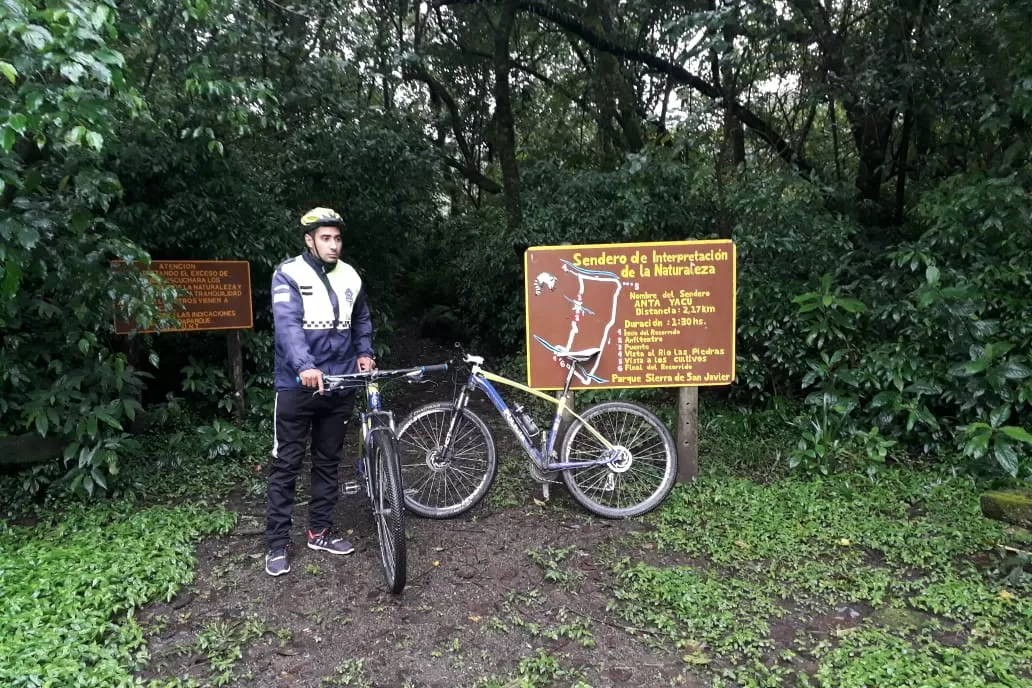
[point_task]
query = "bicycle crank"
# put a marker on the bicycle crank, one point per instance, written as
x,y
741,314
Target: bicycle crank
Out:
x,y
543,477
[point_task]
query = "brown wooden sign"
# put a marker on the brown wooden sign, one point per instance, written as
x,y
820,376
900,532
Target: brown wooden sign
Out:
x,y
216,294
663,314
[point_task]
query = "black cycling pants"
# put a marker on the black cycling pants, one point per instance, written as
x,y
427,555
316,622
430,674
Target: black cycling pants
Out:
x,y
298,413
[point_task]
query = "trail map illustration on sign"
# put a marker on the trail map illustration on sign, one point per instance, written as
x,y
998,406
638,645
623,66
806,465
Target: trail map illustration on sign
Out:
x,y
657,314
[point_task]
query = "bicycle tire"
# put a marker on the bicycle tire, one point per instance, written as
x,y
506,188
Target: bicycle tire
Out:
x,y
383,483
437,487
637,482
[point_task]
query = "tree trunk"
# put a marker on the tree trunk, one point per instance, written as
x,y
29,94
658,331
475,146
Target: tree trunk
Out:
x,y
733,129
902,168
833,119
871,133
505,125
759,126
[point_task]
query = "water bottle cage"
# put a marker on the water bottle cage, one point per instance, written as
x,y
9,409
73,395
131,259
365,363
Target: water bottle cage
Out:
x,y
528,423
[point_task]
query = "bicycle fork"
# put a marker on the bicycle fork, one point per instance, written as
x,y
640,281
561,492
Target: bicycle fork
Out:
x,y
353,487
348,488
365,469
449,436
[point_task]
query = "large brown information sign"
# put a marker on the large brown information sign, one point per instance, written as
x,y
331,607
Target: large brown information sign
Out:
x,y
663,314
218,294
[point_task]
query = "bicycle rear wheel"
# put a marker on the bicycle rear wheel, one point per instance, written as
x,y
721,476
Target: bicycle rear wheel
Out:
x,y
383,483
642,474
442,482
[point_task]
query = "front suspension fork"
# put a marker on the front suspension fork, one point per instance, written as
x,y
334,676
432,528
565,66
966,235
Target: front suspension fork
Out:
x,y
460,404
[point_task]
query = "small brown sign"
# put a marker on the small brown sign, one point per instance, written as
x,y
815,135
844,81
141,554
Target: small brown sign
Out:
x,y
217,294
662,314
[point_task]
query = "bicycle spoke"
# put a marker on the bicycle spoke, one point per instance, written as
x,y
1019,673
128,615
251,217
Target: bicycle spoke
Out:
x,y
442,481
640,475
462,468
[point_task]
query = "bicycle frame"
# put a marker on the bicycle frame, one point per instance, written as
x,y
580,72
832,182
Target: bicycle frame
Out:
x,y
374,402
382,474
482,380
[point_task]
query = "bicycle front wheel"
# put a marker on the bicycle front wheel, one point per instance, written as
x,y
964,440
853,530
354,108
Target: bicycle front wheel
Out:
x,y
445,481
383,483
641,475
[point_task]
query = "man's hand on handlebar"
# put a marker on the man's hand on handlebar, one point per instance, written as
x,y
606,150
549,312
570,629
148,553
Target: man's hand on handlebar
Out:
x,y
365,364
312,378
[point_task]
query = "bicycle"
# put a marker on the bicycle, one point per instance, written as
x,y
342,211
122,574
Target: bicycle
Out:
x,y
617,458
378,465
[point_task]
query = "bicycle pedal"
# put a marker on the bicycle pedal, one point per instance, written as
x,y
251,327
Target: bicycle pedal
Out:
x,y
349,487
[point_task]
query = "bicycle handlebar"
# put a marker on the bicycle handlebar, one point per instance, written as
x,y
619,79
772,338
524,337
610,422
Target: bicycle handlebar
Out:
x,y
331,382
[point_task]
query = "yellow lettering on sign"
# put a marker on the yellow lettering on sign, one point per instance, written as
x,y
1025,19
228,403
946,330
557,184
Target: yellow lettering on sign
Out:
x,y
650,377
600,260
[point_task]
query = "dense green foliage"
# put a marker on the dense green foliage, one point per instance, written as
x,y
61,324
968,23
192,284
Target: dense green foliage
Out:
x,y
842,581
871,160
71,585
74,580
894,582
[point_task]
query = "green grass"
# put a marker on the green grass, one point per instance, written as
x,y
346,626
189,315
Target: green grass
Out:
x,y
70,585
910,549
748,573
878,657
541,669
742,443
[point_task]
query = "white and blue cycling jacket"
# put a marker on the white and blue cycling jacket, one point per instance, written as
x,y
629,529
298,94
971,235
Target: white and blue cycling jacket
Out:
x,y
321,319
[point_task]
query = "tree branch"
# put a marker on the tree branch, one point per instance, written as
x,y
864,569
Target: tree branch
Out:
x,y
473,174
531,71
414,69
679,74
171,15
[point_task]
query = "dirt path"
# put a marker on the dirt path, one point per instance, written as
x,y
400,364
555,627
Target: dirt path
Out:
x,y
514,588
476,606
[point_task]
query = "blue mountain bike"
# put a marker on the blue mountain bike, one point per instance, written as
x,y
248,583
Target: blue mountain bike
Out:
x,y
378,465
617,458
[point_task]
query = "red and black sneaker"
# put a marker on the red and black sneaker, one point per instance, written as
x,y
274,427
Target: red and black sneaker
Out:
x,y
328,543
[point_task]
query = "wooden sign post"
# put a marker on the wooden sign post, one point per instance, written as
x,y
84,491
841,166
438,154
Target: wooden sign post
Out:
x,y
217,296
663,314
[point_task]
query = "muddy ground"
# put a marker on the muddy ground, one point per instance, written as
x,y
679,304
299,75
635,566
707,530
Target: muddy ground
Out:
x,y
481,607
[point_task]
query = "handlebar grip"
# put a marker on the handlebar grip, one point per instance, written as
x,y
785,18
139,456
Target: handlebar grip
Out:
x,y
436,368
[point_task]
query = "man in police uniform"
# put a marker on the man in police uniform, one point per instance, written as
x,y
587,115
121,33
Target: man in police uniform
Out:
x,y
322,327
